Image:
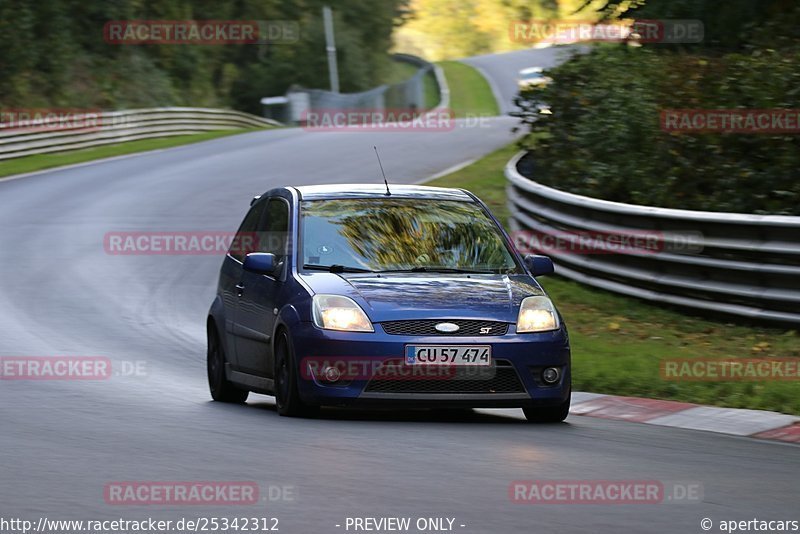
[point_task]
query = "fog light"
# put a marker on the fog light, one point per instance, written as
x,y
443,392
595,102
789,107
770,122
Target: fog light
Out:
x,y
550,375
331,374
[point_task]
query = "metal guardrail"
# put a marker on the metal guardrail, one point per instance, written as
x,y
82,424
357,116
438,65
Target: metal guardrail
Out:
x,y
745,265
406,95
444,89
120,126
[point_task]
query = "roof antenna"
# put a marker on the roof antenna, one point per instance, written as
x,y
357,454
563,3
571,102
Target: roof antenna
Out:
x,y
388,193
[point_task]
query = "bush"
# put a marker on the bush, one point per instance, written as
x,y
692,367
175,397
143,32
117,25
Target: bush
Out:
x,y
53,53
604,137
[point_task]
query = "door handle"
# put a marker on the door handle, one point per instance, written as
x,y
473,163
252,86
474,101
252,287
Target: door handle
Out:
x,y
239,290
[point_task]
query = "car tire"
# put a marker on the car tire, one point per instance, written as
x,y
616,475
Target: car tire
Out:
x,y
221,389
548,414
287,395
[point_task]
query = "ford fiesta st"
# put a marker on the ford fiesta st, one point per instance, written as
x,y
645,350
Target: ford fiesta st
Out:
x,y
406,296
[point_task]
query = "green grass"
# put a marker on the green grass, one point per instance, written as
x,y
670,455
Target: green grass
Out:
x,y
618,342
399,71
402,71
470,93
431,90
484,179
47,161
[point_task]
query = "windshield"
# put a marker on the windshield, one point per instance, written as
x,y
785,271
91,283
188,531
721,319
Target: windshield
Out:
x,y
377,234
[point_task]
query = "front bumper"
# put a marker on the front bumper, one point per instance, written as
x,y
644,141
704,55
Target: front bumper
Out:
x,y
515,379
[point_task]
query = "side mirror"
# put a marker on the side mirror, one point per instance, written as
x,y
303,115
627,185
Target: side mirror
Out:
x,y
260,263
539,265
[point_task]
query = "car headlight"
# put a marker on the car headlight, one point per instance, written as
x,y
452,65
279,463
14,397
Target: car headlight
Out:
x,y
537,314
334,312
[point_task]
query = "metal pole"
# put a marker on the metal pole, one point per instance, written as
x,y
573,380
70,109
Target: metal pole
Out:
x,y
333,69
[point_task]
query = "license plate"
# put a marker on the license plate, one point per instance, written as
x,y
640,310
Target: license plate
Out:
x,y
448,355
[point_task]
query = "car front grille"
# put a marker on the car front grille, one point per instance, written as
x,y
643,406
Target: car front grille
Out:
x,y
503,379
427,327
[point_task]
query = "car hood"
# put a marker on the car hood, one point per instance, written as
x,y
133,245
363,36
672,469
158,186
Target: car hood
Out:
x,y
391,297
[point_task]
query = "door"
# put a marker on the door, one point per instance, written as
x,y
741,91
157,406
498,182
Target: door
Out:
x,y
231,275
259,294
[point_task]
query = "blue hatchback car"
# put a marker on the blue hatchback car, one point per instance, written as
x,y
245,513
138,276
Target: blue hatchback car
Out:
x,y
407,296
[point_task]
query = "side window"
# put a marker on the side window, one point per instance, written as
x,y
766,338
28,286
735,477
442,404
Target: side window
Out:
x,y
274,230
245,240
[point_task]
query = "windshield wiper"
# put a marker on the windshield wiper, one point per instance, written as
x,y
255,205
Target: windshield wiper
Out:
x,y
422,269
336,268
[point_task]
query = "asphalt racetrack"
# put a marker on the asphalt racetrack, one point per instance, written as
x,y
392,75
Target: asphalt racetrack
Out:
x,y
63,442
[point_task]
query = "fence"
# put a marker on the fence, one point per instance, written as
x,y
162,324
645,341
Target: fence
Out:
x,y
748,265
121,126
407,95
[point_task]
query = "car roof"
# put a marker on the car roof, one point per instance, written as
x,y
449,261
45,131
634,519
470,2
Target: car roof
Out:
x,y
531,70
334,191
